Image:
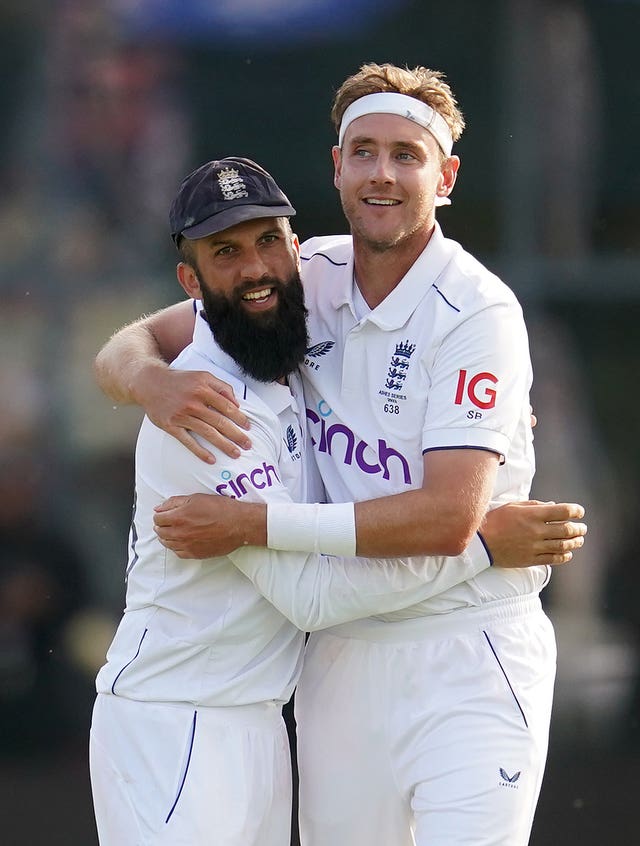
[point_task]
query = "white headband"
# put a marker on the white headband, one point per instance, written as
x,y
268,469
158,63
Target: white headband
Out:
x,y
391,103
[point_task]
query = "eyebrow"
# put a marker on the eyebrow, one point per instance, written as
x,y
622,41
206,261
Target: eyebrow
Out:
x,y
366,139
217,242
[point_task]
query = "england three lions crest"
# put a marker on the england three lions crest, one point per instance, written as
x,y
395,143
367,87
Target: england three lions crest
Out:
x,y
397,371
231,184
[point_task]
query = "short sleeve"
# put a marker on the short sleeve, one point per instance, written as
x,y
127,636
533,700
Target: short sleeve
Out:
x,y
480,381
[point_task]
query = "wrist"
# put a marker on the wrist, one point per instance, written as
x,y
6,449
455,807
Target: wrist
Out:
x,y
145,375
327,529
252,525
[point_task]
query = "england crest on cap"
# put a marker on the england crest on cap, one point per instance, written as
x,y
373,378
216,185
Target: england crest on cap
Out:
x,y
231,184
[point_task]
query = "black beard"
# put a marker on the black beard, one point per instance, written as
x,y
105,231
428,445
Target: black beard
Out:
x,y
266,345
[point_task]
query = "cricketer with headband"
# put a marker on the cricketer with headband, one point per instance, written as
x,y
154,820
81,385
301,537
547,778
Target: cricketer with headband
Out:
x,y
427,725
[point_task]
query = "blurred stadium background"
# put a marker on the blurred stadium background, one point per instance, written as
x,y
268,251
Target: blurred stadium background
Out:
x,y
106,104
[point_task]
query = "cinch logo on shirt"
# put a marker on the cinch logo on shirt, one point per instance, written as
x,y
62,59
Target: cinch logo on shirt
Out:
x,y
355,448
260,477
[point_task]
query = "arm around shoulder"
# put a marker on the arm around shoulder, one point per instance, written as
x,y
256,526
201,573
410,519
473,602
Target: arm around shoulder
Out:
x,y
133,367
139,352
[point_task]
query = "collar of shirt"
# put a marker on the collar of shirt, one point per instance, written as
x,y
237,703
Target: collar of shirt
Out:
x,y
276,396
394,311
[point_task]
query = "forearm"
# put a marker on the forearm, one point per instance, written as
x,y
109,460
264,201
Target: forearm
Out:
x,y
128,366
402,525
417,523
315,592
440,518
127,362
327,529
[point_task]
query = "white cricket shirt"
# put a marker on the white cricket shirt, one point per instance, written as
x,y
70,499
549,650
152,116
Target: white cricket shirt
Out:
x,y
199,631
442,363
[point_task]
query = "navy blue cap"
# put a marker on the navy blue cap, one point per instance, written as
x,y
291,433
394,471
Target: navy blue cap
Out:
x,y
220,194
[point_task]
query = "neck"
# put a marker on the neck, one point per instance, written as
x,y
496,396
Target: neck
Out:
x,y
378,271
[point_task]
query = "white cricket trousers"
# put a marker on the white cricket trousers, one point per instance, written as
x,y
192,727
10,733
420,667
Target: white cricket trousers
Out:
x,y
177,775
429,731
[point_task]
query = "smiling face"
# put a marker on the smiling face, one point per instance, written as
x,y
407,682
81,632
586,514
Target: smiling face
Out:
x,y
389,172
241,262
248,279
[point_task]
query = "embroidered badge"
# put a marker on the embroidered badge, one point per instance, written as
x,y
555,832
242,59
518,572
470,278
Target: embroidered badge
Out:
x,y
397,371
320,349
231,184
291,440
317,351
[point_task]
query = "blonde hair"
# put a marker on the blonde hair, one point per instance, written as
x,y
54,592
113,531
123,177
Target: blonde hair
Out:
x,y
422,83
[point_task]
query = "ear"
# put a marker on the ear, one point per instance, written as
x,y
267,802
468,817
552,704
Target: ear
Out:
x,y
296,247
336,155
188,280
448,174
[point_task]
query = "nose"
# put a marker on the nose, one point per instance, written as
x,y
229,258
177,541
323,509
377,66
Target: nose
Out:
x,y
381,169
254,267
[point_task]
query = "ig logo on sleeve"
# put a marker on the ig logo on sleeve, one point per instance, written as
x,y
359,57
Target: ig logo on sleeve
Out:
x,y
477,390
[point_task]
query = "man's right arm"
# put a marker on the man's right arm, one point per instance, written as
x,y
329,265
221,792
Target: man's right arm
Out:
x,y
132,367
318,591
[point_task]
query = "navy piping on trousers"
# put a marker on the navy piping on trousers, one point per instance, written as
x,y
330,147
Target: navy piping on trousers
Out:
x,y
186,769
495,655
